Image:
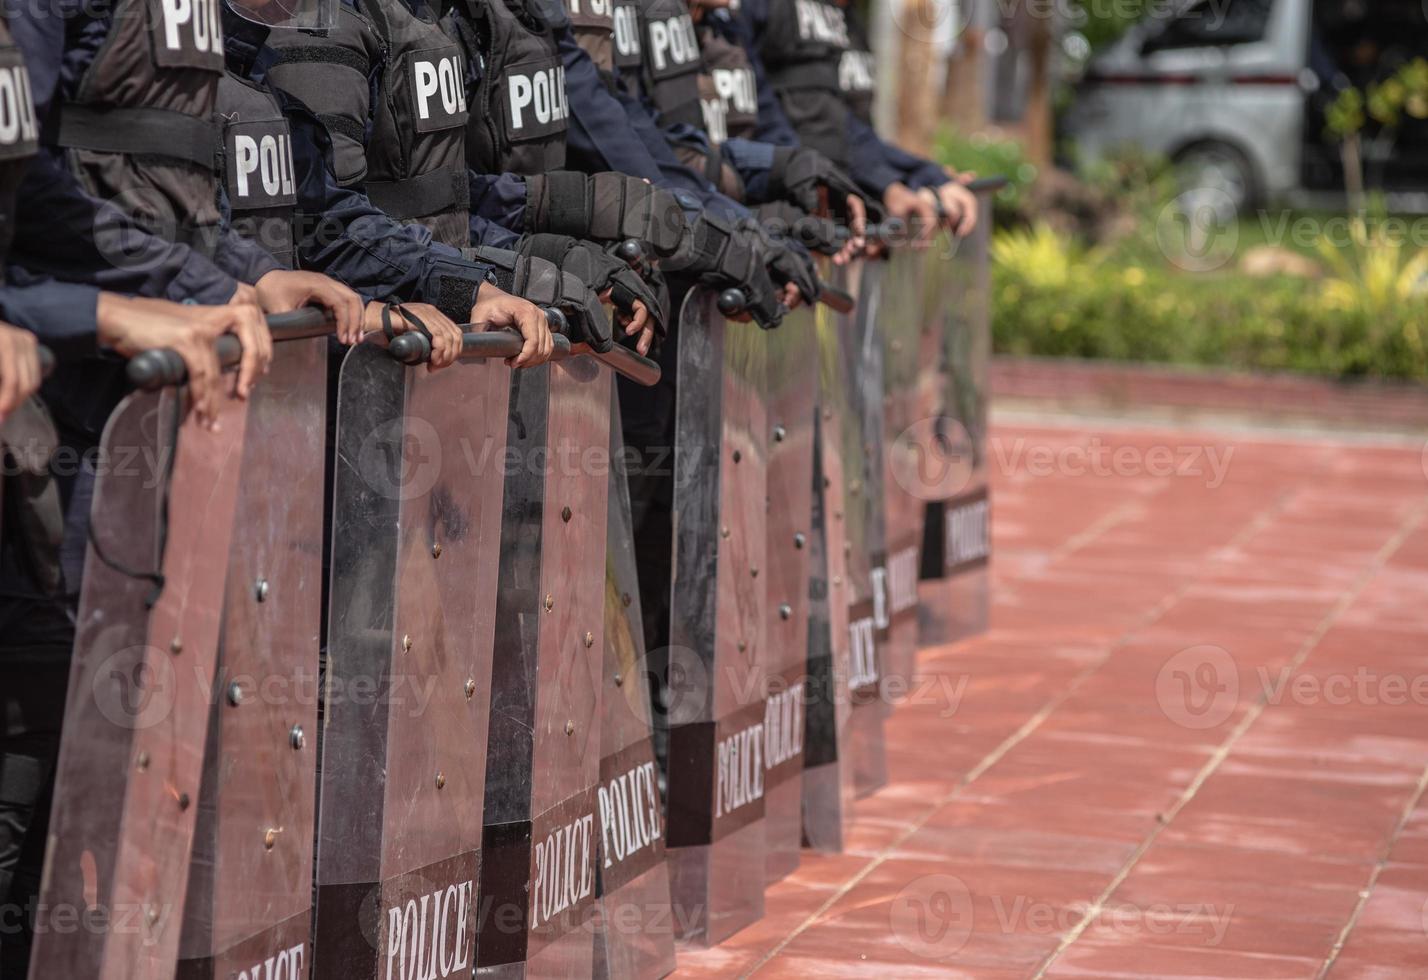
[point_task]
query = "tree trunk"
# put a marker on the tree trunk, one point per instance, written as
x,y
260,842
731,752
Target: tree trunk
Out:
x,y
917,102
964,102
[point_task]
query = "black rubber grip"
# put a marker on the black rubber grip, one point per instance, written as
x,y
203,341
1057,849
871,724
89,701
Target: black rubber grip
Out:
x,y
631,253
836,299
631,364
732,302
163,367
414,348
993,182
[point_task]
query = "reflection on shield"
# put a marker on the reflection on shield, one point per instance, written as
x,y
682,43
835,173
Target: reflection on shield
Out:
x,y
540,836
131,755
415,540
634,936
717,666
893,291
250,881
792,387
956,543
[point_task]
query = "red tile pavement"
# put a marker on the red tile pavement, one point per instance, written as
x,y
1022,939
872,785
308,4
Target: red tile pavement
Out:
x,y
1194,743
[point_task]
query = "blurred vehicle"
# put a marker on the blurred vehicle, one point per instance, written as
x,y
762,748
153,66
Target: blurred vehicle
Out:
x,y
1234,93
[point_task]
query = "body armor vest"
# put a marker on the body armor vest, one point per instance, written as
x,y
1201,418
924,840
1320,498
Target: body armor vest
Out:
x,y
856,71
729,78
415,151
802,48
19,134
519,121
139,130
257,166
670,53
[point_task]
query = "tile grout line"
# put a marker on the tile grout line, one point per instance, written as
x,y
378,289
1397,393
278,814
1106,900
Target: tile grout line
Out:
x,y
1011,741
1367,891
1410,523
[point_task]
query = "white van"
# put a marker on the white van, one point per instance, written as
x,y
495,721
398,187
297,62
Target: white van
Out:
x,y
1234,92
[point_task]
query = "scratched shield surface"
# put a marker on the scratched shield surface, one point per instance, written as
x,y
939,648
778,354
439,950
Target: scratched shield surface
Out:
x,y
792,391
827,763
131,756
860,357
909,399
250,881
956,536
634,935
538,870
718,625
415,543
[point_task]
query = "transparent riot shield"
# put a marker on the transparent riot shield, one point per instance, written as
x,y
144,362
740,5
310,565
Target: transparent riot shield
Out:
x,y
415,544
950,450
791,393
717,668
859,352
249,903
541,834
634,935
128,779
894,290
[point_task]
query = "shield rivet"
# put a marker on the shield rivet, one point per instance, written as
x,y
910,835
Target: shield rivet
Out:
x,y
589,639
897,346
406,643
754,572
626,599
176,646
270,838
570,728
565,514
738,455
296,738
743,646
470,688
235,694
152,916
619,680
837,515
724,531
785,611
436,550
855,487
798,540
847,547
837,580
827,414
827,483
143,761
549,602
780,433
183,801
260,590
440,780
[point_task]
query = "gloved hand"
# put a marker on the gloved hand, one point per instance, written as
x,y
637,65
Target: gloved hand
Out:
x,y
601,272
545,284
605,207
797,174
790,264
721,255
783,220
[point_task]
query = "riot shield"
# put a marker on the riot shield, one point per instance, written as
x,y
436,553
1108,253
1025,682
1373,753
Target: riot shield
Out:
x,y
952,448
791,394
634,935
415,538
909,400
131,753
249,903
861,420
717,669
540,837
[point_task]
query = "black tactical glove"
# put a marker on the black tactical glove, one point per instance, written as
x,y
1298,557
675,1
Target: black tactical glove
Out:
x,y
721,255
783,220
600,270
790,262
545,284
798,172
607,207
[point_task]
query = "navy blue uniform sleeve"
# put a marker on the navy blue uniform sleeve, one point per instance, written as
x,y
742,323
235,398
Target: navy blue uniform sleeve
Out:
x,y
60,230
917,172
752,161
498,209
62,314
343,235
242,259
739,27
867,160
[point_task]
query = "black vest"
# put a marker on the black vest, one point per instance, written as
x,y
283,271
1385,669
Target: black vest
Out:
x,y
857,72
730,81
416,148
139,131
257,166
19,134
520,109
670,52
802,48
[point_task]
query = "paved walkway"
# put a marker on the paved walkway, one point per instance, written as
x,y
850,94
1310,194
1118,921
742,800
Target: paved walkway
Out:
x,y
1192,745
